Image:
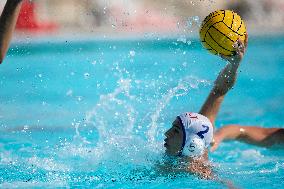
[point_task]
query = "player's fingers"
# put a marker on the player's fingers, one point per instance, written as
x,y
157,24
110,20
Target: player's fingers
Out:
x,y
239,46
236,44
246,40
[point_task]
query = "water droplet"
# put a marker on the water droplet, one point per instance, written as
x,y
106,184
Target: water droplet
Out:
x,y
86,75
181,39
132,53
69,92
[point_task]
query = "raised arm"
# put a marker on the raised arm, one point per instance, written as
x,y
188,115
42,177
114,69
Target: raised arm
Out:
x,y
224,82
8,21
249,134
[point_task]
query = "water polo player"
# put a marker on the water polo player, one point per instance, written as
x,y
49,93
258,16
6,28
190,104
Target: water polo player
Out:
x,y
191,133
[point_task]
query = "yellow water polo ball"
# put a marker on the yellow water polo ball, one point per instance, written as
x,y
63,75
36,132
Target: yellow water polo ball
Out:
x,y
220,29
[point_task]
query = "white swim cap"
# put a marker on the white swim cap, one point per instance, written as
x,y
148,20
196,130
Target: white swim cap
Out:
x,y
197,133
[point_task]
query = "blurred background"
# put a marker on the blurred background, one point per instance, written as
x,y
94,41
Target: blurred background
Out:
x,y
125,18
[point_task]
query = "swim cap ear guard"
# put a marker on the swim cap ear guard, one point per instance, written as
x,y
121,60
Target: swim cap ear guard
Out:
x,y
194,147
197,134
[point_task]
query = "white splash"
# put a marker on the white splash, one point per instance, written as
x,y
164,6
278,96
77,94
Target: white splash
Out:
x,y
183,87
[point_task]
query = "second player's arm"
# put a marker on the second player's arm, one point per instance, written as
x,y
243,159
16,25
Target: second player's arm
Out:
x,y
249,134
8,21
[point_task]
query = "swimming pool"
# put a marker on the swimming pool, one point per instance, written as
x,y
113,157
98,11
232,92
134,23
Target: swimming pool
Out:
x,y
92,113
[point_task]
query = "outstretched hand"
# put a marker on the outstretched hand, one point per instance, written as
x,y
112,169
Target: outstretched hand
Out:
x,y
240,48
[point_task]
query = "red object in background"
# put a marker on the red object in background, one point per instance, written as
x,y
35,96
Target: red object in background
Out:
x,y
27,19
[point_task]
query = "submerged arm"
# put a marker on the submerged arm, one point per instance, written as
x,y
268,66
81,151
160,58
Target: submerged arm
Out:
x,y
249,134
8,21
204,170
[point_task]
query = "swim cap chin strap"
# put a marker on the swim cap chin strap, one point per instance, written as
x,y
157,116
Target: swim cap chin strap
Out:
x,y
197,134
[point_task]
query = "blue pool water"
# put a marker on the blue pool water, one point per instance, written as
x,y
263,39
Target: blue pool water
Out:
x,y
92,113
